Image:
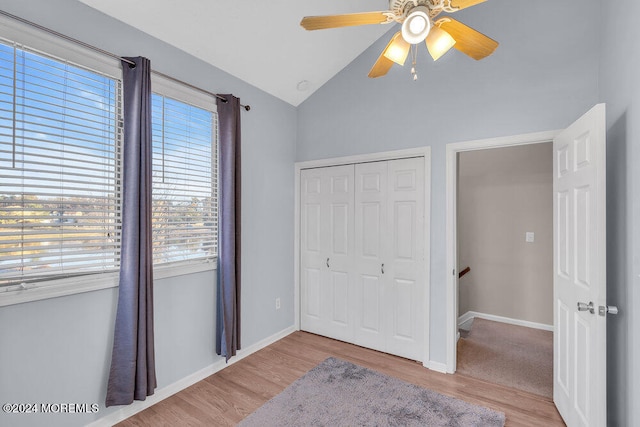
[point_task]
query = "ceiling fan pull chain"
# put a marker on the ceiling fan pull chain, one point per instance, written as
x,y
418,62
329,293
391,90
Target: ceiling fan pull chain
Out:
x,y
414,55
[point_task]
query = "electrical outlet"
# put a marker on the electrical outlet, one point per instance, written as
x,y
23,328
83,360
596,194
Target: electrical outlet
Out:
x,y
277,303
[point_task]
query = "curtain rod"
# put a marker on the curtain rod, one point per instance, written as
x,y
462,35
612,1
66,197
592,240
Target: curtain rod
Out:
x,y
112,55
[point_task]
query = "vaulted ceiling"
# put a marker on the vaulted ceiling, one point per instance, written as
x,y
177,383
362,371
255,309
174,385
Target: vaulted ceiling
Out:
x,y
260,42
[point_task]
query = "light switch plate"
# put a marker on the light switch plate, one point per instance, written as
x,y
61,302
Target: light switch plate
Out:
x,y
529,237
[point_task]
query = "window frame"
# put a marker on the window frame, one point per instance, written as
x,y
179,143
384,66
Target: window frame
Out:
x,y
42,42
162,86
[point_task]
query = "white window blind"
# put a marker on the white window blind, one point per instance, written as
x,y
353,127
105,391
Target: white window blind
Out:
x,y
185,205
59,168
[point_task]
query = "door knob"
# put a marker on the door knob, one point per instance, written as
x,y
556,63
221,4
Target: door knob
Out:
x,y
610,309
586,307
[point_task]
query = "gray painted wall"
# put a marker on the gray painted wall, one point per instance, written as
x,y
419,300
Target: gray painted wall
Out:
x,y
620,89
502,194
58,350
543,76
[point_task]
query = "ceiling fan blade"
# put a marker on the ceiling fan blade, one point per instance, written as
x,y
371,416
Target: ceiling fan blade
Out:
x,y
383,64
381,67
396,51
469,41
346,20
463,4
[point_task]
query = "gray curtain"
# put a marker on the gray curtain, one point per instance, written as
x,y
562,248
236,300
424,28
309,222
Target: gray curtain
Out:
x,y
228,287
133,374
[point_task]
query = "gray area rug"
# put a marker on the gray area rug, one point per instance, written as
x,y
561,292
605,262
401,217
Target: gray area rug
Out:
x,y
339,393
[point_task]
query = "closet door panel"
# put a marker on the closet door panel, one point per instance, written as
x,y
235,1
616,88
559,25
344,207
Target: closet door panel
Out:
x,y
369,317
405,258
404,230
339,251
403,292
340,299
311,256
370,218
326,245
312,294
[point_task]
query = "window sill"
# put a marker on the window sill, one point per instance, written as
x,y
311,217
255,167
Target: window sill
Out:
x,y
95,282
166,271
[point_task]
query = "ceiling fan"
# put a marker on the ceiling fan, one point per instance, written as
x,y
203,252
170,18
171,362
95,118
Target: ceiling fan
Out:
x,y
417,19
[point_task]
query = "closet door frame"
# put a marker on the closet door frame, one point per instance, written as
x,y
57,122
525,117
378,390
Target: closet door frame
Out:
x,y
425,154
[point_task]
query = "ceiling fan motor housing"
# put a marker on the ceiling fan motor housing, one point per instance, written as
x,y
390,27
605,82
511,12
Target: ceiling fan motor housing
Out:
x,y
416,16
416,25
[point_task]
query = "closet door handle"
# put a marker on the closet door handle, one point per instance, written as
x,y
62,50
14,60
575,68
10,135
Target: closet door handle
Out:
x,y
328,263
382,268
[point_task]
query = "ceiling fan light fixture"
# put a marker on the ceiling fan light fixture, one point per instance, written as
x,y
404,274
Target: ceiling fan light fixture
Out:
x,y
397,50
416,25
439,42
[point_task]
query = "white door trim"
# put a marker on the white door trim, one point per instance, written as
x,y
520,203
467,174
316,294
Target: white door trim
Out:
x,y
425,153
452,150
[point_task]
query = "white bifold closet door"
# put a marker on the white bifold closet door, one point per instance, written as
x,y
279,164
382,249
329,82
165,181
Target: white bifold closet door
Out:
x,y
326,251
362,254
389,256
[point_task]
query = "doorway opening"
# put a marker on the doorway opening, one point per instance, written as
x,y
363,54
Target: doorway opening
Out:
x,y
505,263
489,308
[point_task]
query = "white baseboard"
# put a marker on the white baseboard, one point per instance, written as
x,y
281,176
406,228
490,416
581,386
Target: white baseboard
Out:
x,y
167,391
473,314
466,317
436,366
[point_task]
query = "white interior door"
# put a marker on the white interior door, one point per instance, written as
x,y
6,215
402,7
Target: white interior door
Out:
x,y
579,388
389,256
326,251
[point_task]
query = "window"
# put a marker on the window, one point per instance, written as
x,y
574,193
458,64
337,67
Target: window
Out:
x,y
59,168
184,178
60,148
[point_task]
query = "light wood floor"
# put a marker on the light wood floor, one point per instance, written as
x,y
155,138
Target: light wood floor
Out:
x,y
228,396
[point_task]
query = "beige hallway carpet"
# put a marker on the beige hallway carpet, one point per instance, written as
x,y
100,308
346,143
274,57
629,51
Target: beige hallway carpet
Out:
x,y
510,355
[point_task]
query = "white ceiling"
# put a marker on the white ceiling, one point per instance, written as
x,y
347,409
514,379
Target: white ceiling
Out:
x,y
260,42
